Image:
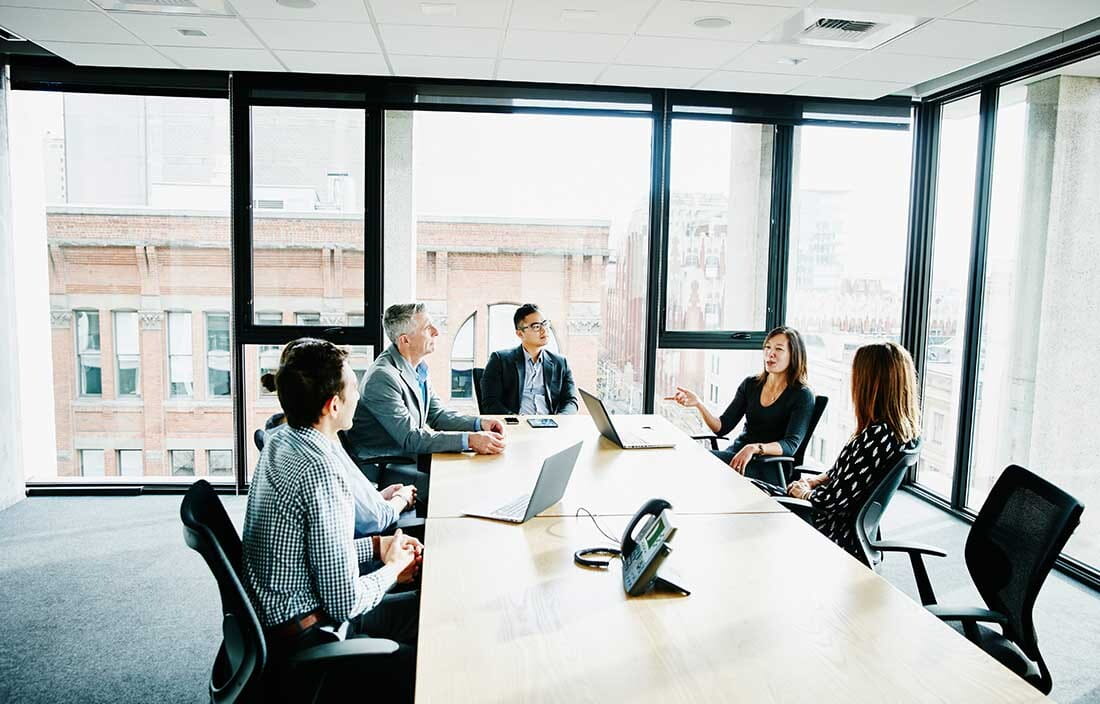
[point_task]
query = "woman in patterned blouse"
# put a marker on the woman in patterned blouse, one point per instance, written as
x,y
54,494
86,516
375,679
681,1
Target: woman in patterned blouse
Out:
x,y
884,396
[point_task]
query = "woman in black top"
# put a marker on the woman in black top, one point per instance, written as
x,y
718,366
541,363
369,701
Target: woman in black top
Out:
x,y
884,396
776,404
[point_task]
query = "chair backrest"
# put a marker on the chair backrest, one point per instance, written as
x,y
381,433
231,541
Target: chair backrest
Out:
x,y
819,409
238,668
478,373
870,514
258,437
1018,533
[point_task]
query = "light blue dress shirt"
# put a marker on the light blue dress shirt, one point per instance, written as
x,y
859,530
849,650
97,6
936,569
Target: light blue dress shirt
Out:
x,y
533,400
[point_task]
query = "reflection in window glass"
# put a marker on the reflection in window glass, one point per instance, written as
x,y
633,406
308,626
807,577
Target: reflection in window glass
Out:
x,y
217,354
88,352
849,219
130,463
713,375
91,463
307,318
183,463
488,211
719,222
219,463
1037,372
181,370
127,353
958,153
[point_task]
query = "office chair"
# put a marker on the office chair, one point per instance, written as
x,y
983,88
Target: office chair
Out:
x,y
869,515
238,674
780,469
1018,533
478,373
258,437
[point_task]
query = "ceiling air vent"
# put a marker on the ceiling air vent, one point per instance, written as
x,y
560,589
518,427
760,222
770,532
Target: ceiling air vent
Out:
x,y
842,28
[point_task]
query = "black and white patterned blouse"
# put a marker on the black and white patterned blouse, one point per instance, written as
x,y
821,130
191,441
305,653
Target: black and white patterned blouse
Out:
x,y
299,549
861,463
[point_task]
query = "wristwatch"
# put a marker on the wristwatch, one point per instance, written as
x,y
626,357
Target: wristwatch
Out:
x,y
759,448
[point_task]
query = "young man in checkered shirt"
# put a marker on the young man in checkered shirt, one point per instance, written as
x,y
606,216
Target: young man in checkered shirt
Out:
x,y
301,560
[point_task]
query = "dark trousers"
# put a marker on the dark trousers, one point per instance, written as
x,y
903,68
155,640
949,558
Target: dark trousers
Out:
x,y
408,474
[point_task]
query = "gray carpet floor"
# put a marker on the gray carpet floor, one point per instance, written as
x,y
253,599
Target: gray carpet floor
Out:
x,y
103,602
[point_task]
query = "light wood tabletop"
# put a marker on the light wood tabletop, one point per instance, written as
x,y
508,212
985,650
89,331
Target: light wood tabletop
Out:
x,y
606,480
777,614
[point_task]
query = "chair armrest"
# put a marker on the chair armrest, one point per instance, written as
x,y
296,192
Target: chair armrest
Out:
x,y
799,507
801,470
967,614
916,551
330,653
388,459
774,459
713,439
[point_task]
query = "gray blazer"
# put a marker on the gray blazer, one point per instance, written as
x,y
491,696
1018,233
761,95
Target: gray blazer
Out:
x,y
391,420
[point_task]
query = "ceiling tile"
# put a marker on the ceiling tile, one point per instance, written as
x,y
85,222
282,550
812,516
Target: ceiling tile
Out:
x,y
325,10
674,18
916,8
334,62
548,71
607,16
130,55
222,59
677,51
775,58
317,36
50,4
440,41
64,26
964,40
1058,14
468,13
651,77
899,68
847,88
563,46
221,32
441,67
745,82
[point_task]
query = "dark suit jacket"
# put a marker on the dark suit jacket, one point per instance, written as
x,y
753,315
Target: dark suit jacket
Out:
x,y
502,383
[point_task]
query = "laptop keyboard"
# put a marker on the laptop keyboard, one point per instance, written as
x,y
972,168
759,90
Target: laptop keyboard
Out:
x,y
516,509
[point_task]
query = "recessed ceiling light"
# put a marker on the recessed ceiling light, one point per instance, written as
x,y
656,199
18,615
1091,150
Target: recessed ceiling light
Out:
x,y
713,22
572,15
192,32
297,4
791,60
439,9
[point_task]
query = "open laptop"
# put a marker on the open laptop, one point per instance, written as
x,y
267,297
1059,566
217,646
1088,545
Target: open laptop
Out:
x,y
642,438
549,488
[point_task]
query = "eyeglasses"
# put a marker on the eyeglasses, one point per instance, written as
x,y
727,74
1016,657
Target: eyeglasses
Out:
x,y
537,326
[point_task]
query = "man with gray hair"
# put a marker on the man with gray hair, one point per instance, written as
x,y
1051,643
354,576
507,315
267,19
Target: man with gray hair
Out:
x,y
400,415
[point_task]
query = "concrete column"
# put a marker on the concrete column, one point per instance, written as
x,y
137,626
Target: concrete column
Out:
x,y
12,483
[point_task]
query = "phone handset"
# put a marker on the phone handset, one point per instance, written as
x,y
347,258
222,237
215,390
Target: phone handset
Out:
x,y
642,556
653,507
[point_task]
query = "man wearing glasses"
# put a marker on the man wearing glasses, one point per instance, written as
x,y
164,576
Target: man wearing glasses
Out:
x,y
529,379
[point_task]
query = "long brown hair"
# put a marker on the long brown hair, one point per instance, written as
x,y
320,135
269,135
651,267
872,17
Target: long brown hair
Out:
x,y
884,389
796,368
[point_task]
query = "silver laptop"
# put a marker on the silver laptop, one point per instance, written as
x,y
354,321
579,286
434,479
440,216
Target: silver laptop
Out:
x,y
640,438
549,488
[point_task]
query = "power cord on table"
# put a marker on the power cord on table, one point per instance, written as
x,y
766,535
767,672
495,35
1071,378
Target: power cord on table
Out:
x,y
585,556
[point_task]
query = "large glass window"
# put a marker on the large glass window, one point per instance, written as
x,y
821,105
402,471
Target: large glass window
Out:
x,y
1037,375
217,354
849,221
183,463
127,199
713,375
718,225
127,353
957,164
462,360
488,211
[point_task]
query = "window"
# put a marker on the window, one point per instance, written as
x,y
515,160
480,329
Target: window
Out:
x,y
91,463
269,354
181,370
849,224
127,353
698,371
88,352
130,463
719,225
219,463
217,354
1039,331
307,318
183,463
957,164
462,360
484,212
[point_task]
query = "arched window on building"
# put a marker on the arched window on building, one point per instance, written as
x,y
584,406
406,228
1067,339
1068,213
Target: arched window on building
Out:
x,y
462,360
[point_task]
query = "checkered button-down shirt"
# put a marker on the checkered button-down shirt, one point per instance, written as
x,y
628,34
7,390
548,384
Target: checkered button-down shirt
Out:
x,y
299,550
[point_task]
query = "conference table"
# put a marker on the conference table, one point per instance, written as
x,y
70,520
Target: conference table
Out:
x,y
777,613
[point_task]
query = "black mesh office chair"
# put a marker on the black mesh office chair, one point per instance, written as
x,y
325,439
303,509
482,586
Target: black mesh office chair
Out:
x,y
869,515
1018,533
779,469
238,674
478,373
258,437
